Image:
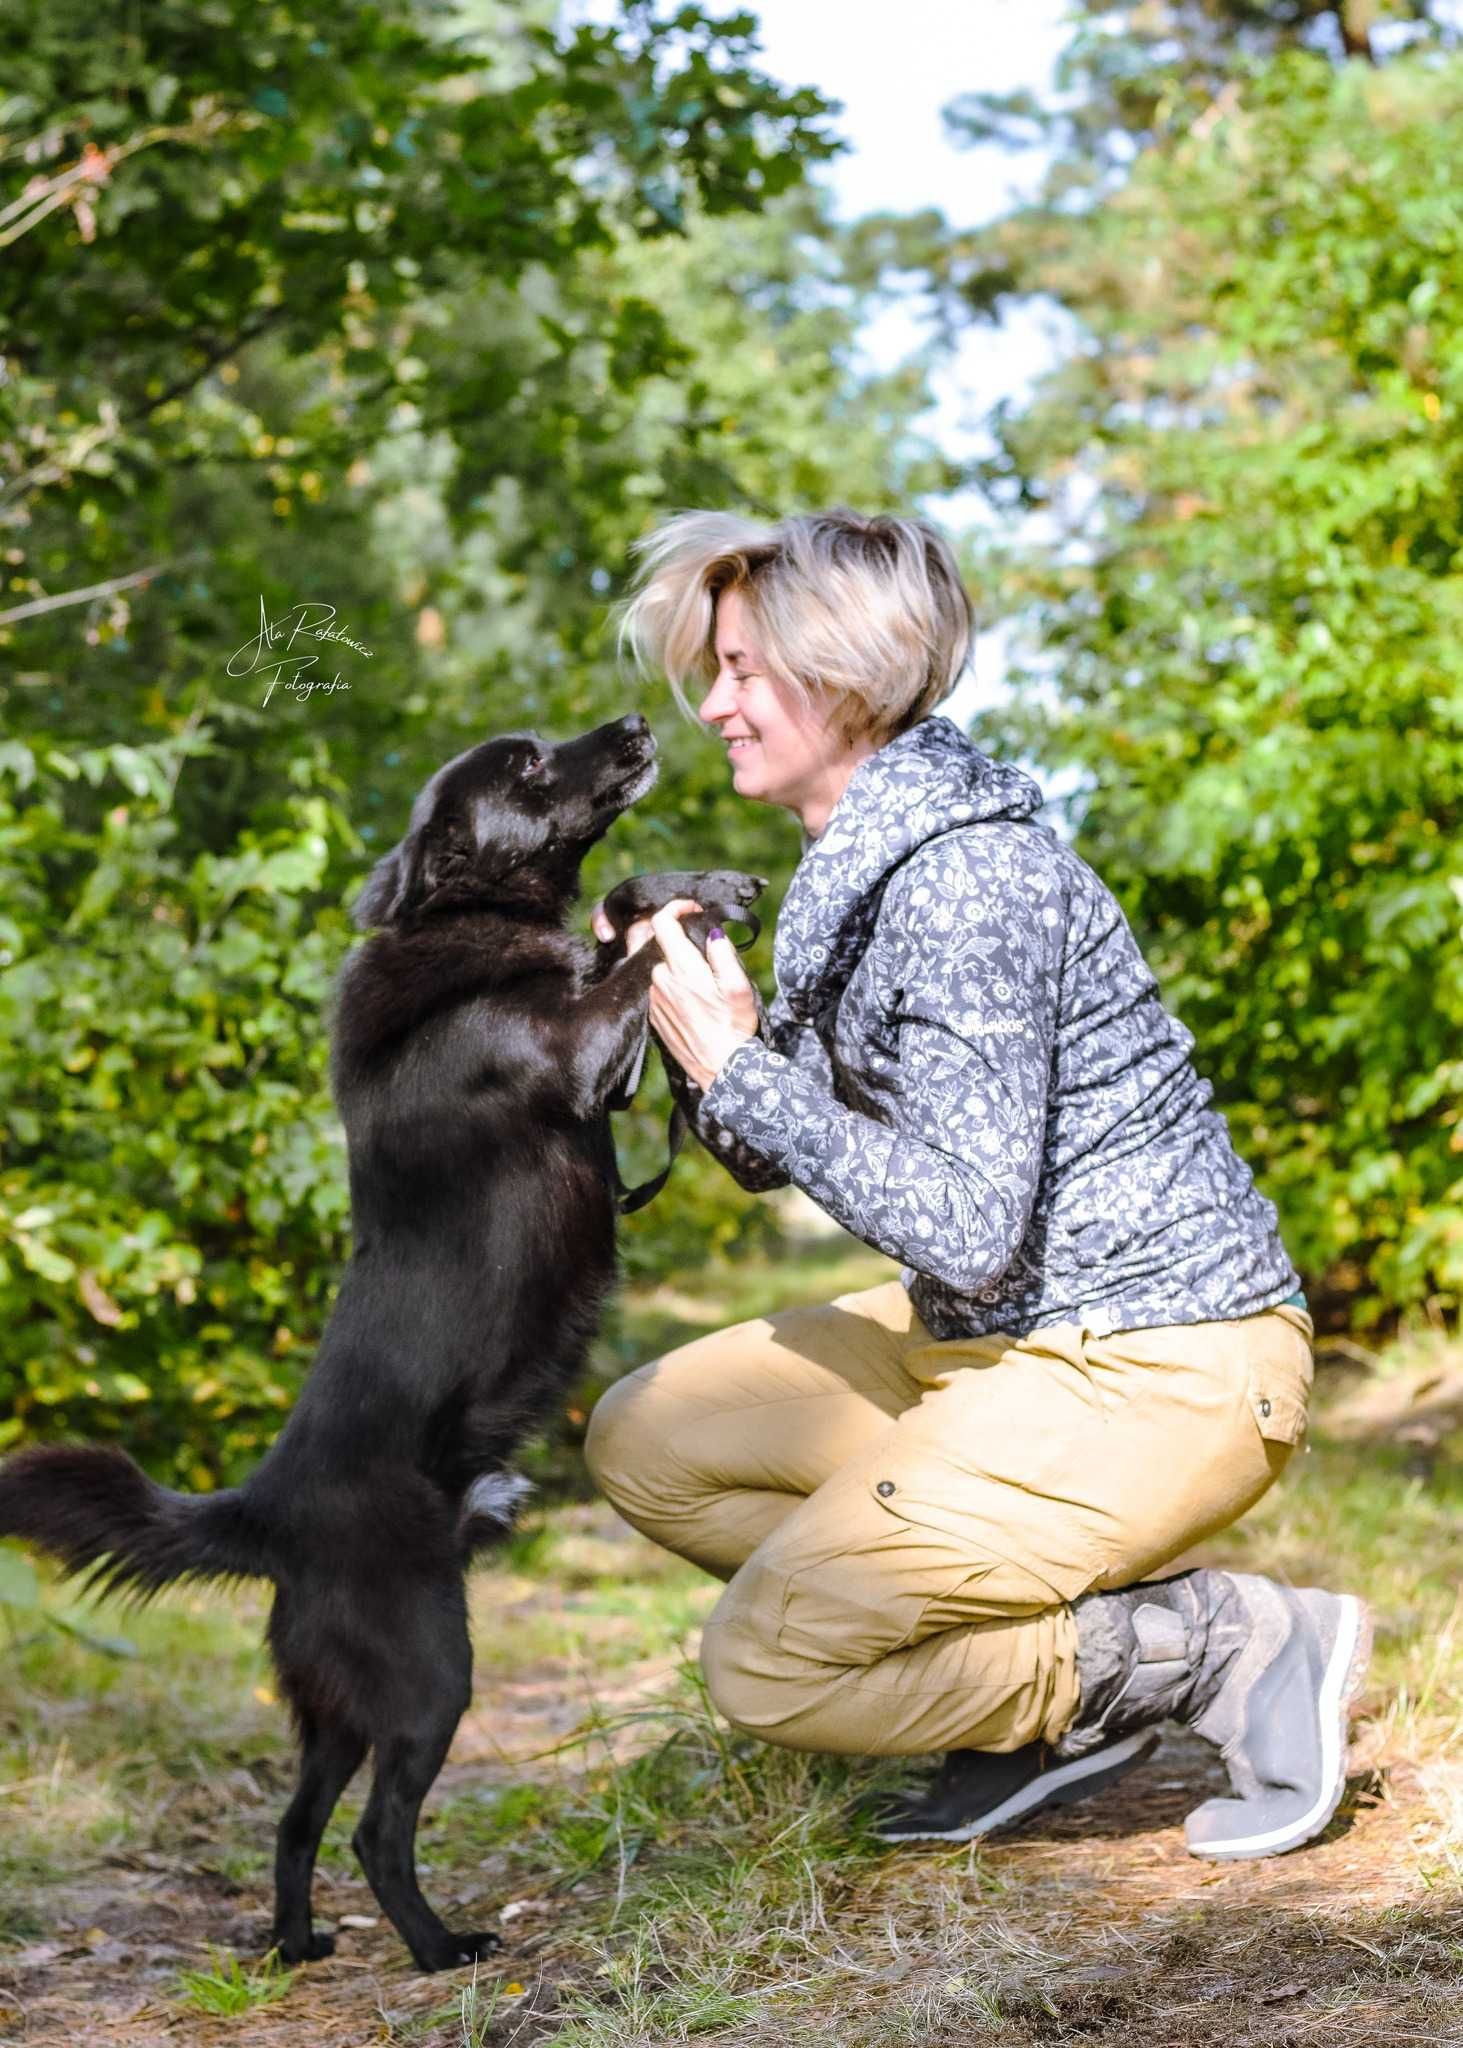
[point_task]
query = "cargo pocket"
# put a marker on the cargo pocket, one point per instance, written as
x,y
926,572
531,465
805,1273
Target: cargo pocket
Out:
x,y
1279,1367
984,1548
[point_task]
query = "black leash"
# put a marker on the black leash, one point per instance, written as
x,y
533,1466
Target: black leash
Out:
x,y
628,1200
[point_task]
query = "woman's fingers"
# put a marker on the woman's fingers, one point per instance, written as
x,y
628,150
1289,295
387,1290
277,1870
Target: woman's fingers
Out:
x,y
677,950
735,989
640,929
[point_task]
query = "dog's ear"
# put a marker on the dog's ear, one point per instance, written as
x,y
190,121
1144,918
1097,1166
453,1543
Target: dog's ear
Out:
x,y
411,874
386,888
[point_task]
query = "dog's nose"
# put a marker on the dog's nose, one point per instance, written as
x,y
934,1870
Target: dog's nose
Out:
x,y
636,723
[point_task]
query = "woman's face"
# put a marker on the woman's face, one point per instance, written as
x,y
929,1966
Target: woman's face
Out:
x,y
782,751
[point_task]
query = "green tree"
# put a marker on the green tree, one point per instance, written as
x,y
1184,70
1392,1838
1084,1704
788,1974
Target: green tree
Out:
x,y
1241,616
452,431
232,238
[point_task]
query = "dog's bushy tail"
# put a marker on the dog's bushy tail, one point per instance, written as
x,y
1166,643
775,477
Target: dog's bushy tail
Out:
x,y
95,1511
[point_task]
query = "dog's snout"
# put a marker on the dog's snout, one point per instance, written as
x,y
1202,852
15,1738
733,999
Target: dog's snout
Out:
x,y
636,738
635,742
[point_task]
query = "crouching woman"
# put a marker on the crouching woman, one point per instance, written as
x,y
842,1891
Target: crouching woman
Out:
x,y
940,1504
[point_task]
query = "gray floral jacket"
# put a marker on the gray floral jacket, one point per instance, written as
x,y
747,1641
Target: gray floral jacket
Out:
x,y
968,1066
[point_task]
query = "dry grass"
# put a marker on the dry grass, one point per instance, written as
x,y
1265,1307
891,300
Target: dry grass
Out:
x,y
658,1880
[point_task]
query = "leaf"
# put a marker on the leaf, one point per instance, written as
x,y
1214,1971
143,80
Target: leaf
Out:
x,y
19,1586
140,770
106,1645
40,1258
16,759
294,867
98,1302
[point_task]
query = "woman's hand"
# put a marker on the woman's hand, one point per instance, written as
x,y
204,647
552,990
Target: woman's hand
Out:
x,y
636,934
702,1005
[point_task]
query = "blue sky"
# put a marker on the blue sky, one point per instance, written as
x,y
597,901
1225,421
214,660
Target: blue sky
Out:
x,y
900,159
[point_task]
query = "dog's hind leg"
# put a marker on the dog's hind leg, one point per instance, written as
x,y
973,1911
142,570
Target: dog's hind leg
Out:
x,y
332,1756
407,1760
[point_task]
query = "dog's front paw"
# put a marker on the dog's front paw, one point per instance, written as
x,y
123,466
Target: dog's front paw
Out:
x,y
643,895
727,890
724,895
727,886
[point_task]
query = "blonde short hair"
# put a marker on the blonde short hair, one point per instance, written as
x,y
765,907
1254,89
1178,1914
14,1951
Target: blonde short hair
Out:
x,y
871,610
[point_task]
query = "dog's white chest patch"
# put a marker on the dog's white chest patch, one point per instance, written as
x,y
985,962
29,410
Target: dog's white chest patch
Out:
x,y
497,1495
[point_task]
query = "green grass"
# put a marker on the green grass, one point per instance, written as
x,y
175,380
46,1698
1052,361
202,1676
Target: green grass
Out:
x,y
677,1882
92,1748
230,1988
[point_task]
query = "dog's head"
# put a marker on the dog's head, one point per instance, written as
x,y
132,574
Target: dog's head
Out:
x,y
509,823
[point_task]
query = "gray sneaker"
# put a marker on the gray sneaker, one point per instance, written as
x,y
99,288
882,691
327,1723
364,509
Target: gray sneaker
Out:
x,y
1279,1721
1264,1672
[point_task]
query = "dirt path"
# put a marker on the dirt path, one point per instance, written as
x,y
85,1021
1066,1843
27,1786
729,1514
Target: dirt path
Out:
x,y
1093,1925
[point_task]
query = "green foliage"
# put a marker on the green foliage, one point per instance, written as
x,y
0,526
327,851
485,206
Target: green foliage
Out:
x,y
202,176
419,314
1133,73
1248,622
172,1186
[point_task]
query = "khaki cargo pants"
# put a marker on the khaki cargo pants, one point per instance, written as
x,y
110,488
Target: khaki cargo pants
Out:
x,y
904,1523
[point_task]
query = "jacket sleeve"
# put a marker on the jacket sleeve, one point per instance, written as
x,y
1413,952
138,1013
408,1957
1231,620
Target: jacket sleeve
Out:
x,y
801,1049
944,1179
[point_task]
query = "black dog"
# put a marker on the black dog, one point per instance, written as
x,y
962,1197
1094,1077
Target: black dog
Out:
x,y
477,1049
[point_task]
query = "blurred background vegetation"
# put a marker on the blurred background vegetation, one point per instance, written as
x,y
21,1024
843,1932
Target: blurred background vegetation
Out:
x,y
423,312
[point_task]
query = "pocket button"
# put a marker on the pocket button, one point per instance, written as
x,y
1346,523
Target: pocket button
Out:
x,y
884,1488
1265,1407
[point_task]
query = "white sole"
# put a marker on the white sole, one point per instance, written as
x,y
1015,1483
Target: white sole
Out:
x,y
1056,1787
1345,1670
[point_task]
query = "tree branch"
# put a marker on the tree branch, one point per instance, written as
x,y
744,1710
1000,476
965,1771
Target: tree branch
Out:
x,y
55,604
94,167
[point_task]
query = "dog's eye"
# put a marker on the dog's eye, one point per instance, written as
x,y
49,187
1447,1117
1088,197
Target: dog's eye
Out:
x,y
532,766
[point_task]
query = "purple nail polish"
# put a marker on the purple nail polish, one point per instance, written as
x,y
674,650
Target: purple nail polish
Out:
x,y
715,932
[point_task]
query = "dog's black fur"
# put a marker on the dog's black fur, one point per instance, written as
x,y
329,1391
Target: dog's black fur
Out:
x,y
478,1047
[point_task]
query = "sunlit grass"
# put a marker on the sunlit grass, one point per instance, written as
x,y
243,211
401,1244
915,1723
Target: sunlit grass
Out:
x,y
230,1988
695,1884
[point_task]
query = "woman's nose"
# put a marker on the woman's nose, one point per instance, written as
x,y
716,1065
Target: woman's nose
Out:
x,y
717,702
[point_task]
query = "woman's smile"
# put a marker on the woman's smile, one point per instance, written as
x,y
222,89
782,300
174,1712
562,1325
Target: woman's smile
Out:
x,y
802,762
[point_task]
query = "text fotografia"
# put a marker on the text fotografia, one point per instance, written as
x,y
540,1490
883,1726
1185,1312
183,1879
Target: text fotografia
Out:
x,y
280,664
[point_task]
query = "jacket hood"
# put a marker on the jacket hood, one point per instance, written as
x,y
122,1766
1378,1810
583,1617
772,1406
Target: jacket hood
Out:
x,y
927,781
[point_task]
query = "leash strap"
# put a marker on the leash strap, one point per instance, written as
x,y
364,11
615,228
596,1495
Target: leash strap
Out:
x,y
628,1200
